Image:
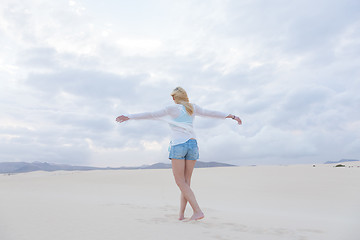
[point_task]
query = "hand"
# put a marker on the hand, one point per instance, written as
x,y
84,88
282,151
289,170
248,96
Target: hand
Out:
x,y
235,118
238,120
122,118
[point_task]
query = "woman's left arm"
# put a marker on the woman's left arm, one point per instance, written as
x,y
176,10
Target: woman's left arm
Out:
x,y
145,115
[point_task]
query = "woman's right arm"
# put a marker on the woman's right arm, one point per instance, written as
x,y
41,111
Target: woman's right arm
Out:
x,y
215,114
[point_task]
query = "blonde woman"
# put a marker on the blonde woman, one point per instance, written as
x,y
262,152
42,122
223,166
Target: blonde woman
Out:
x,y
183,151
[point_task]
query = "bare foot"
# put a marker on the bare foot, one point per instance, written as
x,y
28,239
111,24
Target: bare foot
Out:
x,y
181,218
197,216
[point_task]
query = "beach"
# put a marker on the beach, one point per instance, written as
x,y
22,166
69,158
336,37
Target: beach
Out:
x,y
295,202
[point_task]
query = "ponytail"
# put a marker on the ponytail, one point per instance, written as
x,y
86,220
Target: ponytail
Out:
x,y
180,97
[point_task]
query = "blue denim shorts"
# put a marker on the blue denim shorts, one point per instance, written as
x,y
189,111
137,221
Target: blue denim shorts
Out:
x,y
188,150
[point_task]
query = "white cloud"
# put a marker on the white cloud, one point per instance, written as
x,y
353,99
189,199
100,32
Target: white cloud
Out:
x,y
68,68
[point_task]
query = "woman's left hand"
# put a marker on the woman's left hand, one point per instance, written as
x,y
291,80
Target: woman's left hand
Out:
x,y
122,118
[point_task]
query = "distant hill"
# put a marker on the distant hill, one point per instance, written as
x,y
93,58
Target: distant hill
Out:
x,y
22,167
341,161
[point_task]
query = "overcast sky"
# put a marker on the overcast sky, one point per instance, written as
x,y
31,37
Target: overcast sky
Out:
x,y
289,69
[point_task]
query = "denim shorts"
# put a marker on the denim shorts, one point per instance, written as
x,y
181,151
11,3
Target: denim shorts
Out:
x,y
188,150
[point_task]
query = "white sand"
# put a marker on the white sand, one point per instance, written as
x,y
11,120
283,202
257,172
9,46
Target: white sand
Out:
x,y
262,203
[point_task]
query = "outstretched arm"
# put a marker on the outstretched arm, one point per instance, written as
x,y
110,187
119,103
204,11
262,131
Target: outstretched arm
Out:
x,y
215,114
145,115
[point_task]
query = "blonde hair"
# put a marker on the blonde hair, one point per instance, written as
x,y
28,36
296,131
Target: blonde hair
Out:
x,y
180,97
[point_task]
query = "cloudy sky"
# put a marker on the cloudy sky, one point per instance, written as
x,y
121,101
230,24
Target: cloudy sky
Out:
x,y
289,69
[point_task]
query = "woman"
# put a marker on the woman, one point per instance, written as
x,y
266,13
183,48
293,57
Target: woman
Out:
x,y
183,146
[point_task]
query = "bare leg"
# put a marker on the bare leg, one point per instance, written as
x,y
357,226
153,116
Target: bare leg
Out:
x,y
189,167
183,203
179,169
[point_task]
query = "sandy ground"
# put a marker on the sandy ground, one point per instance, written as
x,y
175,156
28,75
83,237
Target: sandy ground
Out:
x,y
263,203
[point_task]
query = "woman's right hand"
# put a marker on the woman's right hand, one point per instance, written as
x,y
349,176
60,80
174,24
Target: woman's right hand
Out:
x,y
238,120
122,118
235,118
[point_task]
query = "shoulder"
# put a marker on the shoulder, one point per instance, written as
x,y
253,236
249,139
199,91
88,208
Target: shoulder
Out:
x,y
173,108
195,106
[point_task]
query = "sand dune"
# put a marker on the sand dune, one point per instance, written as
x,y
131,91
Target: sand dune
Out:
x,y
262,203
